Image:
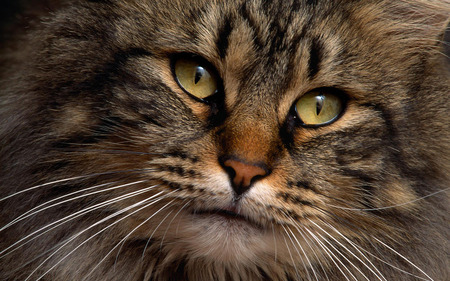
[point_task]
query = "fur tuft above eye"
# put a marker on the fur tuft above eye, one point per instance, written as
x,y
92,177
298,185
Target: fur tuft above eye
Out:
x,y
195,77
319,107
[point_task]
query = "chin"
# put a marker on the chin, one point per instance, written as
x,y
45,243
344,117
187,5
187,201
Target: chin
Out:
x,y
221,238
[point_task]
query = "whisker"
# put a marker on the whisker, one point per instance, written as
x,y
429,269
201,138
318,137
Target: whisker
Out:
x,y
37,209
342,255
153,232
121,242
145,221
274,242
71,179
306,256
404,258
93,225
392,206
348,223
69,218
290,254
296,249
391,265
313,249
330,254
107,151
348,250
352,225
178,224
167,228
339,218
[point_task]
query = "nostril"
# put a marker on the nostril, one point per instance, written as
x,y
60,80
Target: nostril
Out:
x,y
230,171
256,178
243,174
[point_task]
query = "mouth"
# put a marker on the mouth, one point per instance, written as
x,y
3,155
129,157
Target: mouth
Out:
x,y
222,213
230,215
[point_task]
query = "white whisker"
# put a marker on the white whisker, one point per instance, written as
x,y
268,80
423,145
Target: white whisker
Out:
x,y
404,258
391,265
145,221
371,254
330,254
90,227
121,242
66,219
69,179
274,242
167,228
342,255
108,151
313,249
154,231
37,209
296,249
392,206
304,253
377,273
292,258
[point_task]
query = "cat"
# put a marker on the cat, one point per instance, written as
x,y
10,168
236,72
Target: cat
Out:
x,y
226,140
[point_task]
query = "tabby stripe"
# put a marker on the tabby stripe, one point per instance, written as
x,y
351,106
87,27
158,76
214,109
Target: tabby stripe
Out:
x,y
245,14
287,197
296,6
223,39
315,57
360,175
311,2
103,76
103,130
263,274
119,59
124,55
396,154
182,155
99,81
277,44
446,44
101,1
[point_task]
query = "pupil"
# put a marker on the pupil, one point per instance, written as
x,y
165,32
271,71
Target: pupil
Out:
x,y
199,72
319,104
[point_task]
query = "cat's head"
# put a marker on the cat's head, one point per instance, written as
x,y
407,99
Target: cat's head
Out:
x,y
239,132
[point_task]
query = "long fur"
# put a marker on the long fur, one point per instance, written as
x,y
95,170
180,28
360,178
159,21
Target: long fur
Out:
x,y
109,170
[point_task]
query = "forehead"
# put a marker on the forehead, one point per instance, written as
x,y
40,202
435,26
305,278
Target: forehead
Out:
x,y
256,40
266,48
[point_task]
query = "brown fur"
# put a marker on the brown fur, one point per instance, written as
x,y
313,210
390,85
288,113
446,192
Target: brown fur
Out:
x,y
91,111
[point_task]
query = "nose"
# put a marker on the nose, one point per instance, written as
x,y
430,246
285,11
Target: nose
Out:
x,y
243,174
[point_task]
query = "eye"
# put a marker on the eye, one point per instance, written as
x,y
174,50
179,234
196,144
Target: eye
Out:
x,y
318,108
195,77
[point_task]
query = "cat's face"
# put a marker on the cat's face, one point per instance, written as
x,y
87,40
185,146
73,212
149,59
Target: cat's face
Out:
x,y
243,133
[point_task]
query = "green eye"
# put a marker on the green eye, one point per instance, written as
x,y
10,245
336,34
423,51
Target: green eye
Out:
x,y
319,108
195,77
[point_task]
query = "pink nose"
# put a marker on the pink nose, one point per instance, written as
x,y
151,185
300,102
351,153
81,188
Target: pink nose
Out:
x,y
243,174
